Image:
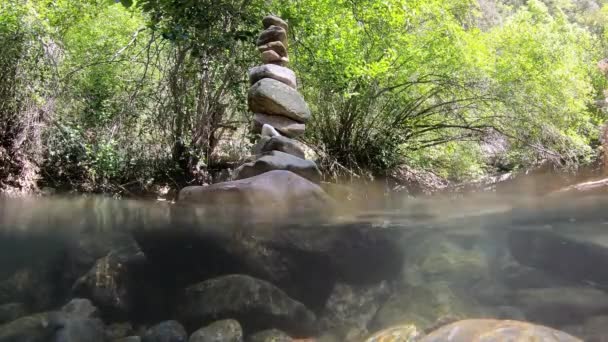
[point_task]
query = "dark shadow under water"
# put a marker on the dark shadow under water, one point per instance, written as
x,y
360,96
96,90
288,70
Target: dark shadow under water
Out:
x,y
542,259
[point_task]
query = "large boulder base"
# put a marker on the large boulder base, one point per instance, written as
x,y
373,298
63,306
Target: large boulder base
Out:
x,y
272,97
256,304
277,160
488,330
285,126
276,195
272,71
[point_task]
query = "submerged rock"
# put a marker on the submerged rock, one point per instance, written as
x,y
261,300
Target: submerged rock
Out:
x,y
283,254
424,306
255,303
11,311
35,328
272,97
52,327
107,284
37,287
351,308
81,308
559,255
272,335
488,330
119,330
77,329
168,331
594,329
277,160
129,339
561,305
434,257
227,330
401,333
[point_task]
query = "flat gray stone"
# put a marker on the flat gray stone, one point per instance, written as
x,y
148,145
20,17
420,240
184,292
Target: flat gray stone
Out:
x,y
277,47
276,72
271,57
273,34
285,126
270,20
272,97
276,160
278,143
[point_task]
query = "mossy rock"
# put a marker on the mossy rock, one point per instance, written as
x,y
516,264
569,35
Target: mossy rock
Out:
x,y
424,307
401,333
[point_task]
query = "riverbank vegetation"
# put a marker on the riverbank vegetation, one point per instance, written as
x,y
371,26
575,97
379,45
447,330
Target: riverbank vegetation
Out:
x,y
104,95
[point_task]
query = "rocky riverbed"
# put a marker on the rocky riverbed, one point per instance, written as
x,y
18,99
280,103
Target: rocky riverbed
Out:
x,y
109,270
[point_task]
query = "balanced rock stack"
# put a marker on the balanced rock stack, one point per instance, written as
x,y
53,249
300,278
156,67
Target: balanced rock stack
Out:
x,y
280,112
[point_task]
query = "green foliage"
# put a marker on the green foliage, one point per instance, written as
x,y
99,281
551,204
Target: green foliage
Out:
x,y
390,79
146,91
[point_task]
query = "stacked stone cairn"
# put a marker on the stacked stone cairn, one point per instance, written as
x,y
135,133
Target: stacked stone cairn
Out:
x,y
279,111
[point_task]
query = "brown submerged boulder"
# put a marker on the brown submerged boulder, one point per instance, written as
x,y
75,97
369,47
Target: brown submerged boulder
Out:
x,y
256,304
489,330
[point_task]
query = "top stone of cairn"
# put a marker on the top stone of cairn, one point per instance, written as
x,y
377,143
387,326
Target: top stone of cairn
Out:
x,y
276,21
